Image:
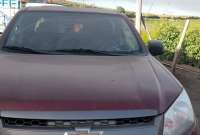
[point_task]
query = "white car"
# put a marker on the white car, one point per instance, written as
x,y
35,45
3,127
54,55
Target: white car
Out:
x,y
4,19
40,4
37,3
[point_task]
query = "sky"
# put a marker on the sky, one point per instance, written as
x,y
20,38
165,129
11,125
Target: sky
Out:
x,y
160,7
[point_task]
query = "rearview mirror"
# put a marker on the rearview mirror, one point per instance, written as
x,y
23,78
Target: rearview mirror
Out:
x,y
155,47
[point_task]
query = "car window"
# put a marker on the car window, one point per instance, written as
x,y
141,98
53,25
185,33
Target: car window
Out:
x,y
49,31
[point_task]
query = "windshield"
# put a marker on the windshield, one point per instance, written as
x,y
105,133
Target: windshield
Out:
x,y
60,31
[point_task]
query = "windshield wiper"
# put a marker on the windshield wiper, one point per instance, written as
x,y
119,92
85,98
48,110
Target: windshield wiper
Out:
x,y
86,51
23,49
64,51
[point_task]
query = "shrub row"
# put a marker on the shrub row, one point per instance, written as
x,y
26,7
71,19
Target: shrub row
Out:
x,y
192,49
169,34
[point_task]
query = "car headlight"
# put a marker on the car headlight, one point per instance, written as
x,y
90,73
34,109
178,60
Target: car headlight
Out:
x,y
180,116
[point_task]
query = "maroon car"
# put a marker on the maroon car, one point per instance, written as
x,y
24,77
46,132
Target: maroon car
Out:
x,y
86,72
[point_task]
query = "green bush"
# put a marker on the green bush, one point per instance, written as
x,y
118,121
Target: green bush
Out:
x,y
144,37
121,10
130,14
190,54
169,35
192,48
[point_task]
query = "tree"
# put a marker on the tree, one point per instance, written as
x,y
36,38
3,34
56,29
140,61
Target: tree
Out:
x,y
130,14
121,10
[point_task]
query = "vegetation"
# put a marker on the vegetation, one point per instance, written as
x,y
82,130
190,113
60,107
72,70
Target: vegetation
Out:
x,y
169,35
121,10
168,31
192,48
127,13
78,5
154,25
71,4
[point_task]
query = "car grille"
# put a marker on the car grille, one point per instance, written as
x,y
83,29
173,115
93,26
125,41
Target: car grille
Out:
x,y
18,122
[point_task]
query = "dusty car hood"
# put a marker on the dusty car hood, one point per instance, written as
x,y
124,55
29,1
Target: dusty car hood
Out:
x,y
44,82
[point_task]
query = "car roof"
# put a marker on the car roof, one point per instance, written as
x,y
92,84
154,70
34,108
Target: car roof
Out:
x,y
58,8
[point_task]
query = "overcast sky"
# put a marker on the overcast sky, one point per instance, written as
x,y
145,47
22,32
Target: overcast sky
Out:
x,y
170,7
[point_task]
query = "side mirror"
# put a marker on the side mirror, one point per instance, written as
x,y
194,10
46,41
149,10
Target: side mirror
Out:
x,y
155,47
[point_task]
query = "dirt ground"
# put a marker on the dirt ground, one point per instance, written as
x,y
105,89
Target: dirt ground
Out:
x,y
191,82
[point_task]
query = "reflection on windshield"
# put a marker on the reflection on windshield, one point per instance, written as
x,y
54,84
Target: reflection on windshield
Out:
x,y
65,31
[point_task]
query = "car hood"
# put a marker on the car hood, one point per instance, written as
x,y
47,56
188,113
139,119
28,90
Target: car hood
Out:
x,y
77,83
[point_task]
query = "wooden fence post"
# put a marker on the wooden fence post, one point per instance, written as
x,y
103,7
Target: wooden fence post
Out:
x,y
179,46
